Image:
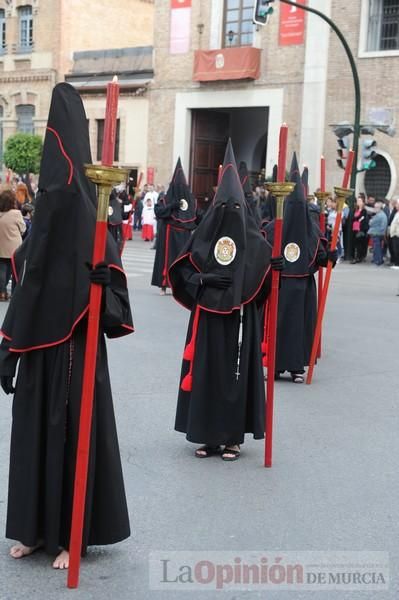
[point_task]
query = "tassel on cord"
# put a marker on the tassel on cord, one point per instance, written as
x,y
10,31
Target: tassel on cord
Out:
x,y
265,345
189,353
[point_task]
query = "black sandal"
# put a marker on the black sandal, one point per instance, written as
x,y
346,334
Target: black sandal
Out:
x,y
207,451
228,450
297,377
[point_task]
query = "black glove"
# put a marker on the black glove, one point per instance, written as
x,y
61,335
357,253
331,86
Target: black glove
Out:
x,y
6,384
277,263
101,274
332,255
216,280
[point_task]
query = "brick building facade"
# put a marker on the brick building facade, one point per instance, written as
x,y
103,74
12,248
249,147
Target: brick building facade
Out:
x,y
305,81
42,43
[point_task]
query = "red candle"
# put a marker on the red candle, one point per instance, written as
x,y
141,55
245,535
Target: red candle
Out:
x,y
323,174
282,153
111,112
348,169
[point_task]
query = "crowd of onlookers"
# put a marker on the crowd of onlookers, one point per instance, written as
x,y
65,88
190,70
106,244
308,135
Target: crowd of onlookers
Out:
x,y
16,210
373,226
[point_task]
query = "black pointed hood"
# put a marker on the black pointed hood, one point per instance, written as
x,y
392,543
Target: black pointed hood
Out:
x,y
53,288
227,240
300,237
179,190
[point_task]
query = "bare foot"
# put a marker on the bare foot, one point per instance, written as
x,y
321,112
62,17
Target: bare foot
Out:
x,y
62,560
20,550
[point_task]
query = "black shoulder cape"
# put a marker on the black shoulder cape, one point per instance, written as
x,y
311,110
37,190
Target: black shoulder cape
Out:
x,y
52,293
227,240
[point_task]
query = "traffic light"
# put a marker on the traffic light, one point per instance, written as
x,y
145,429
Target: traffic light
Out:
x,y
262,11
343,151
369,154
343,131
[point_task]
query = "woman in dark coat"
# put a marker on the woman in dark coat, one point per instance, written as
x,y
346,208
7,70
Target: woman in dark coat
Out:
x,y
360,225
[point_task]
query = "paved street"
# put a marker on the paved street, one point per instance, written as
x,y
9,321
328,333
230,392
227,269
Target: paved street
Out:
x,y
334,484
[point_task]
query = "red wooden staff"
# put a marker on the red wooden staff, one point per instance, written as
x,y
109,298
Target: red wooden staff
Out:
x,y
323,231
342,194
277,190
105,178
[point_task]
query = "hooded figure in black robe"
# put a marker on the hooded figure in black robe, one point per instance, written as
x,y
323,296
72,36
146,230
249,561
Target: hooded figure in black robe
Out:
x,y
115,218
176,218
304,250
222,277
45,331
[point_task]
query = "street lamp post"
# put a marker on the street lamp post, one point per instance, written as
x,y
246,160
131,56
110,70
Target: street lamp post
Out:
x,y
356,81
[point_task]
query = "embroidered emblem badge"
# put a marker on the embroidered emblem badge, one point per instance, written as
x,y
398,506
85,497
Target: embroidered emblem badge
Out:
x,y
225,251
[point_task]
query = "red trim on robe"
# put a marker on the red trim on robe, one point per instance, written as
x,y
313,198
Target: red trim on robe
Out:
x,y
64,153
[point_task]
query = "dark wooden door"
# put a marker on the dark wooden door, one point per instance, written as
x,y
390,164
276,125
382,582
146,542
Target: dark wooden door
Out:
x,y
209,135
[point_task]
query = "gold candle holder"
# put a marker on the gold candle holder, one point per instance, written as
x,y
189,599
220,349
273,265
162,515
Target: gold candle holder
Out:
x,y
280,191
342,195
105,178
322,198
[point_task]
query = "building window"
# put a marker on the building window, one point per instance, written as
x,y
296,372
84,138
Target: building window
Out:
x,y
2,31
383,26
238,29
25,114
25,27
100,139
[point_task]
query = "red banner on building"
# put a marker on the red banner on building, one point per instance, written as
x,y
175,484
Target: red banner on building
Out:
x,y
180,26
150,175
292,24
180,4
227,63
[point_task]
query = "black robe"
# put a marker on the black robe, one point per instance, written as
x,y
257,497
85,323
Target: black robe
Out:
x,y
220,409
174,225
220,398
297,307
45,329
44,435
171,239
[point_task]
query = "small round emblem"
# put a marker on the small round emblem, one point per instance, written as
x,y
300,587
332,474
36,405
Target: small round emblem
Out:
x,y
225,251
183,204
110,211
219,61
292,252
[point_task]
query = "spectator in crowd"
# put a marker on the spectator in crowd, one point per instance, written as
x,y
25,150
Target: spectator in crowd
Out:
x,y
12,227
331,218
27,213
148,219
393,209
394,237
359,230
370,206
138,209
377,231
22,194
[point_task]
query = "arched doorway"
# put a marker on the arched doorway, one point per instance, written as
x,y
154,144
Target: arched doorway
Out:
x,y
377,181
